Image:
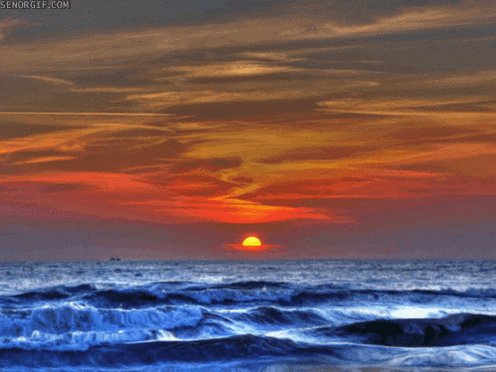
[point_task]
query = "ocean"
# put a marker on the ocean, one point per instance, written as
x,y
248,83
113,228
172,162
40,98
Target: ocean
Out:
x,y
253,316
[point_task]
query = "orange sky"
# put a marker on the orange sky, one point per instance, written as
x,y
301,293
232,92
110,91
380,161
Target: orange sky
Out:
x,y
341,120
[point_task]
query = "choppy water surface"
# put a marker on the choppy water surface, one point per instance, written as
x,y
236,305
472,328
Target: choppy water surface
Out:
x,y
248,315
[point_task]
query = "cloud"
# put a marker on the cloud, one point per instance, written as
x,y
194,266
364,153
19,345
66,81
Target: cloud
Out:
x,y
421,18
270,56
468,79
327,153
49,80
233,69
408,106
162,100
9,24
205,165
115,49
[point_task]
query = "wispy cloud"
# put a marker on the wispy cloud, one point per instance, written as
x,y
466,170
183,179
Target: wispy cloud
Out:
x,y
409,107
421,18
9,24
233,69
49,80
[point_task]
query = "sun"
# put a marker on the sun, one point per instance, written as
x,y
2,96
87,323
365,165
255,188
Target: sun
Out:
x,y
251,242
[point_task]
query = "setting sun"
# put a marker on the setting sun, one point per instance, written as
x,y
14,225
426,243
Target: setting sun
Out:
x,y
252,241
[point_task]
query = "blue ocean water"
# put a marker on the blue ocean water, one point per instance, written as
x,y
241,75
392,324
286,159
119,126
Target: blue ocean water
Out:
x,y
274,316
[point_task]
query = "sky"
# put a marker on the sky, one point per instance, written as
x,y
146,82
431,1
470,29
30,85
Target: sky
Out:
x,y
172,129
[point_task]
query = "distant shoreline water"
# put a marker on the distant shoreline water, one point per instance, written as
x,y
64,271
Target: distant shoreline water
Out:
x,y
257,315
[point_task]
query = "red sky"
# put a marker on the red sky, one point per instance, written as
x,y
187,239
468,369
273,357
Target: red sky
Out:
x,y
332,129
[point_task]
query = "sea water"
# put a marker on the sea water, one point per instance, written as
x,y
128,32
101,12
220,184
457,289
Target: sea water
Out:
x,y
272,315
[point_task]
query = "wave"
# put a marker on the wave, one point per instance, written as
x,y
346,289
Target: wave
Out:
x,y
76,326
218,349
54,293
246,349
244,292
265,315
456,329
279,296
